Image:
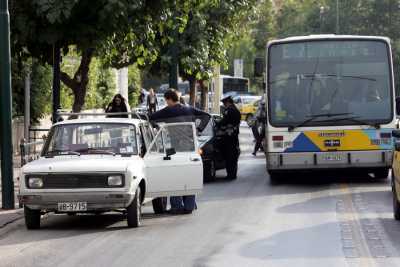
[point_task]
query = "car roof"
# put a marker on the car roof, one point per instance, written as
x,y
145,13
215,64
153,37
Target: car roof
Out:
x,y
100,120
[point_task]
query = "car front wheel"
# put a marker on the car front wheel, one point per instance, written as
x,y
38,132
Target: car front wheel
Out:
x,y
32,218
134,210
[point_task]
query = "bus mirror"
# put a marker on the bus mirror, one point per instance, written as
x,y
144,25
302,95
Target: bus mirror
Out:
x,y
398,106
258,67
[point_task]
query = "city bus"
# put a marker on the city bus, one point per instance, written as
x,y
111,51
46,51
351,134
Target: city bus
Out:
x,y
330,104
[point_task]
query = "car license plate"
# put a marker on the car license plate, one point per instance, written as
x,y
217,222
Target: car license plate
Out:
x,y
333,157
72,206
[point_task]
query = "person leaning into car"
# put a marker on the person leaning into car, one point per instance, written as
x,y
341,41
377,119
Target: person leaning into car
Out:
x,y
176,112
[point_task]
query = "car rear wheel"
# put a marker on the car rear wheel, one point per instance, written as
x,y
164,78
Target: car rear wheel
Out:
x,y
32,218
382,173
396,204
160,205
209,171
134,210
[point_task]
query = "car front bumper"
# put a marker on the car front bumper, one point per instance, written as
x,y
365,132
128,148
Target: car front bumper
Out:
x,y
96,201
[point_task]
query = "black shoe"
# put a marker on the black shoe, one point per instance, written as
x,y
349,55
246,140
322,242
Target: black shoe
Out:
x,y
254,154
187,211
175,211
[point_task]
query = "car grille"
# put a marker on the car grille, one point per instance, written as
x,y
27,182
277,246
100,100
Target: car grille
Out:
x,y
67,181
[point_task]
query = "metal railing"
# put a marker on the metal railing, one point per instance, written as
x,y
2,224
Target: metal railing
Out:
x,y
74,115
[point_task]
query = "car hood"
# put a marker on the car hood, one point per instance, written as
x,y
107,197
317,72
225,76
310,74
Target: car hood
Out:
x,y
78,164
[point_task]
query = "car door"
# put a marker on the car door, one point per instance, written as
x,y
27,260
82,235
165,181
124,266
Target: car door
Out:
x,y
178,174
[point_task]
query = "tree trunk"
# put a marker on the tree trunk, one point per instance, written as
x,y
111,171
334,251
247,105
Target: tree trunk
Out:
x,y
192,86
204,95
78,84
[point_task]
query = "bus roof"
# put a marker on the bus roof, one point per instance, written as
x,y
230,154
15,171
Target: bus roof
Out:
x,y
328,37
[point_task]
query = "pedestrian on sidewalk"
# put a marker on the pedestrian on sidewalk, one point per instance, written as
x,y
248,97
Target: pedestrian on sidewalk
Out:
x,y
152,102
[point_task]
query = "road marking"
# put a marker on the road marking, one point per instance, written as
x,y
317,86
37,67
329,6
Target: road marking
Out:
x,y
354,243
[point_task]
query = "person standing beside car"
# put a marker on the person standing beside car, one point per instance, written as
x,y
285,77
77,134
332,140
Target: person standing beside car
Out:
x,y
229,133
176,112
152,101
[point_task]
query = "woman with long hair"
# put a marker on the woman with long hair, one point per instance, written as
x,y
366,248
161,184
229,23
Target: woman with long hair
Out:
x,y
117,105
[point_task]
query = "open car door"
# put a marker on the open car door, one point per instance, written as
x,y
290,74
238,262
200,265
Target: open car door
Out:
x,y
173,165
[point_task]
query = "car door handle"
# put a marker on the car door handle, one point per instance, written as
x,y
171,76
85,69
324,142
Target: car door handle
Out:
x,y
194,159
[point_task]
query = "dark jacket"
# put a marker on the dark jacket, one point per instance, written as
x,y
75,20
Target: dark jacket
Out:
x,y
180,113
116,109
230,123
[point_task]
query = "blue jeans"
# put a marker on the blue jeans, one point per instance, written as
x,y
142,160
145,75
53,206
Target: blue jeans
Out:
x,y
184,202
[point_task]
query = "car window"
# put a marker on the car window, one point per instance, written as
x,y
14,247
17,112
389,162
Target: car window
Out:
x,y
91,138
179,137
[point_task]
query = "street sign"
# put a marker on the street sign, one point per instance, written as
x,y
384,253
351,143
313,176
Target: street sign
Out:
x,y
238,67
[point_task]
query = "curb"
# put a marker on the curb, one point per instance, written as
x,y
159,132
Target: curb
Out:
x,y
13,221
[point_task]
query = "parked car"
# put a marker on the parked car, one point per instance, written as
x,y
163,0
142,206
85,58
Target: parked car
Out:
x,y
209,150
247,105
104,164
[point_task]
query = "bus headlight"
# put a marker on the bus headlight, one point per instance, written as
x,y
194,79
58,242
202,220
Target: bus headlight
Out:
x,y
115,180
35,182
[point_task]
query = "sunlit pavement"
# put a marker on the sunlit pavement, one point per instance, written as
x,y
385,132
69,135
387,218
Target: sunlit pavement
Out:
x,y
319,220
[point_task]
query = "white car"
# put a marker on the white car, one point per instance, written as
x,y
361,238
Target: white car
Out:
x,y
103,164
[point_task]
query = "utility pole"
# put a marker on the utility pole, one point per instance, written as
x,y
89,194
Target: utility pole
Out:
x,y
337,17
7,175
56,81
173,68
27,105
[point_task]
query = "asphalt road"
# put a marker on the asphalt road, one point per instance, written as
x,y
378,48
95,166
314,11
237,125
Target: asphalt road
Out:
x,y
320,220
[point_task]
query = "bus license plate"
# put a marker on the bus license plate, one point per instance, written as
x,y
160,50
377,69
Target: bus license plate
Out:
x,y
333,157
72,206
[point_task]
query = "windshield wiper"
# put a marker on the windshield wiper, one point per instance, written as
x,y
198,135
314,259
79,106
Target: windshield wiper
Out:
x,y
358,121
97,151
59,152
314,117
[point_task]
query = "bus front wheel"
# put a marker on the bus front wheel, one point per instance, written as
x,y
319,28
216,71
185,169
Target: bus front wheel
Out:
x,y
381,173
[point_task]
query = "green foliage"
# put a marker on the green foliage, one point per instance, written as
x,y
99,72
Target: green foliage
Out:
x,y
356,17
41,84
135,82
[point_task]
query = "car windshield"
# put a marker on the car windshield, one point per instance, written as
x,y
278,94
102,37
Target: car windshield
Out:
x,y
91,138
250,100
329,77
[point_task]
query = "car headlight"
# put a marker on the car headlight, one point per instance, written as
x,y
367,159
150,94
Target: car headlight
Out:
x,y
115,180
35,182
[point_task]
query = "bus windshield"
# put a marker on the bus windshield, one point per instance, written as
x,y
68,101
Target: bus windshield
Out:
x,y
234,84
310,83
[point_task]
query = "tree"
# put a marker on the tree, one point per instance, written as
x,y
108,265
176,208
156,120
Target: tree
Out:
x,y
92,27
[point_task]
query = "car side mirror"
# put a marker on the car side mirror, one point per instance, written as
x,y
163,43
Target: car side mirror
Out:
x,y
169,152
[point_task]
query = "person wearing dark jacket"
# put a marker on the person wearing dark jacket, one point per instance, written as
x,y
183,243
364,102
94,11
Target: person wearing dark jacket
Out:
x,y
229,133
176,112
117,105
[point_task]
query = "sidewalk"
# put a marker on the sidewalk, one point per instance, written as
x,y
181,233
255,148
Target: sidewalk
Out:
x,y
9,216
